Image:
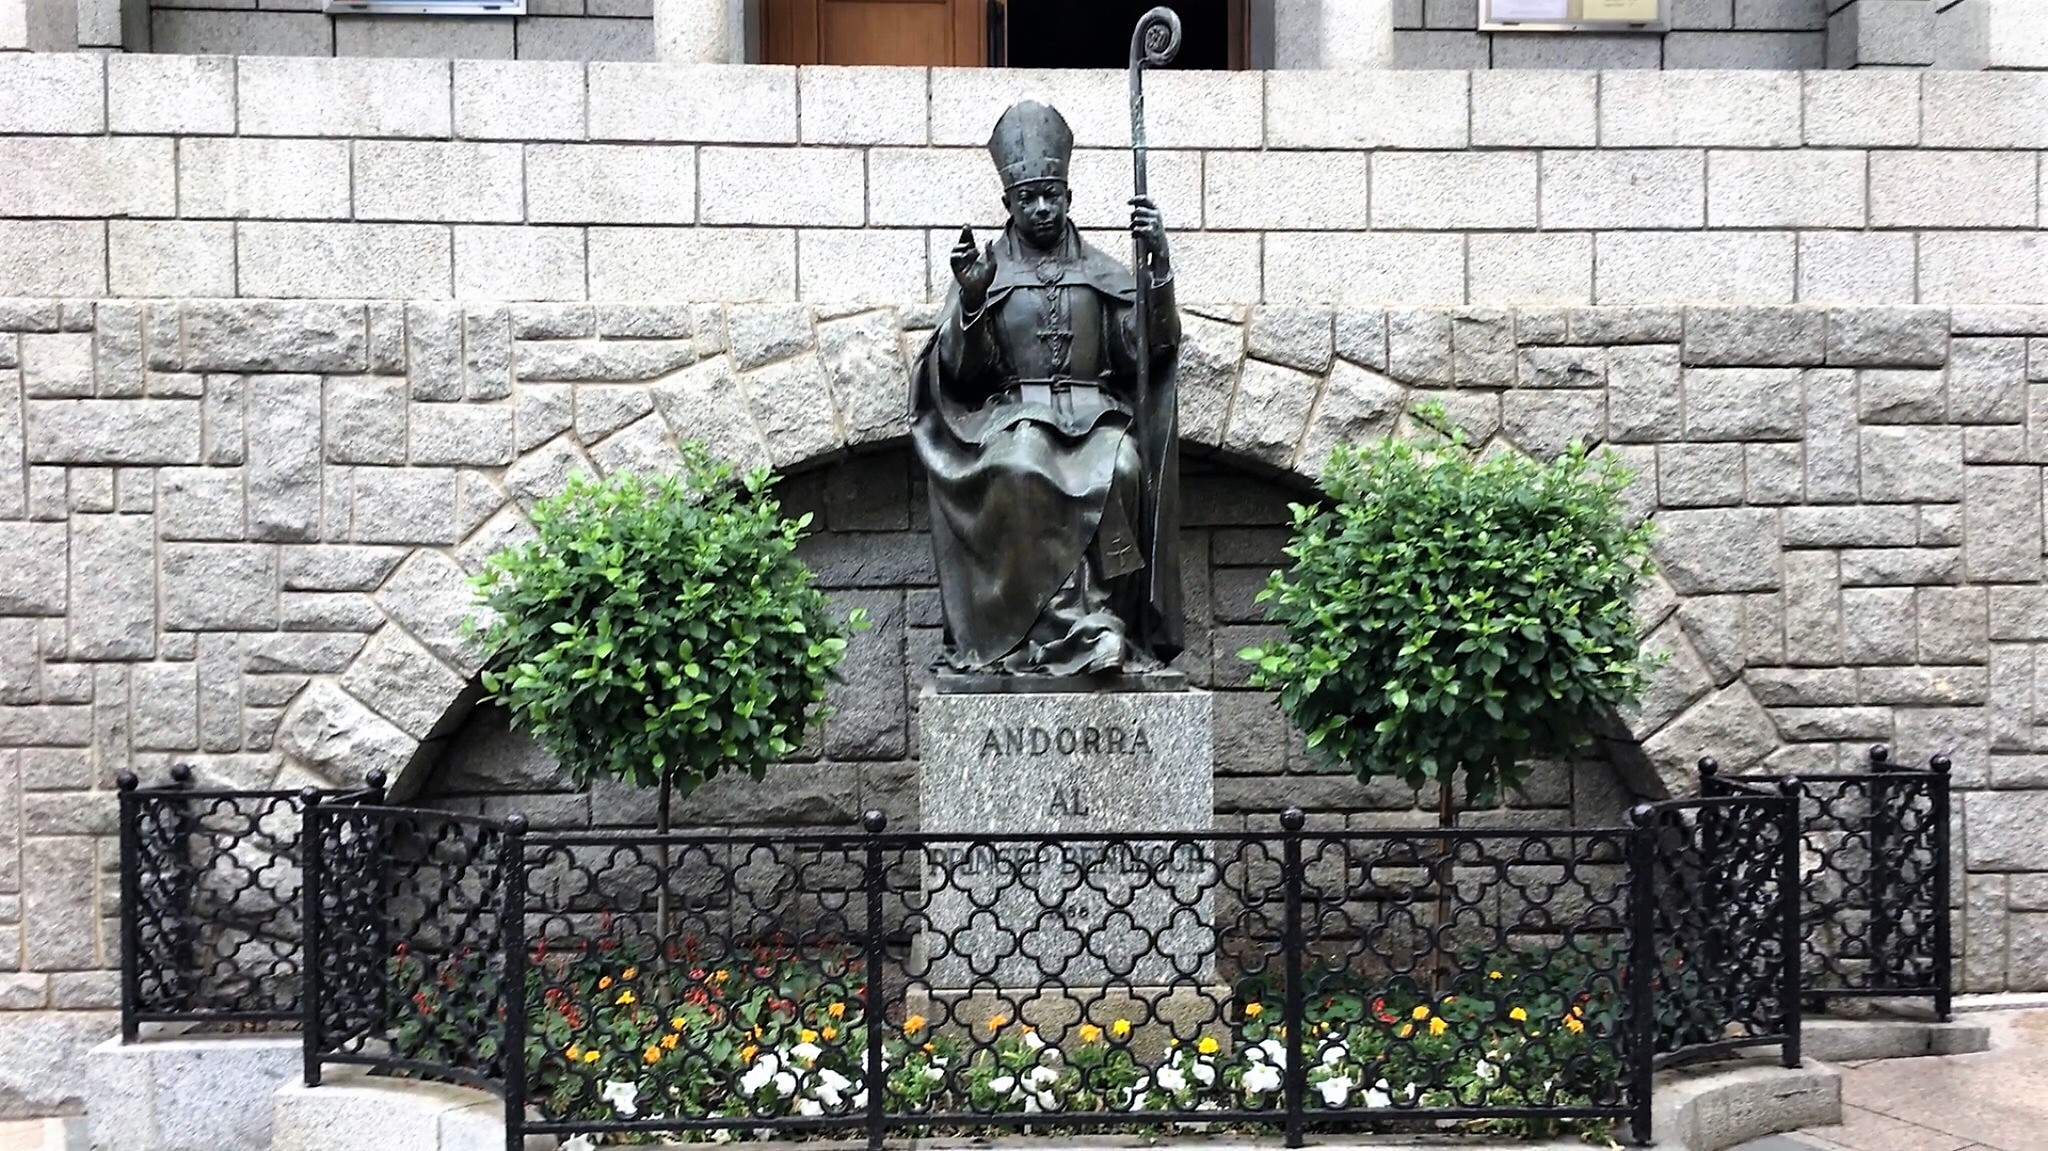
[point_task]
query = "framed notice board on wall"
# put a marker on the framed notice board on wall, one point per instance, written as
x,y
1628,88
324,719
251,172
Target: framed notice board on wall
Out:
x,y
1574,15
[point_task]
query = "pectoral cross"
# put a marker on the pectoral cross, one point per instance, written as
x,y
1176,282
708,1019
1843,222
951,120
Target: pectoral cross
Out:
x,y
1056,328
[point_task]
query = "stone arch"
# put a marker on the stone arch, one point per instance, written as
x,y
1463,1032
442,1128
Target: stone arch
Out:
x,y
797,386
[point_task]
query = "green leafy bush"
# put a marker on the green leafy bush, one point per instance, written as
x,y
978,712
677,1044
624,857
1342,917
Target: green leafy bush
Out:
x,y
1451,610
662,628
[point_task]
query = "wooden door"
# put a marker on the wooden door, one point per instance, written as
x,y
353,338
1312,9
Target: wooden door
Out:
x,y
917,33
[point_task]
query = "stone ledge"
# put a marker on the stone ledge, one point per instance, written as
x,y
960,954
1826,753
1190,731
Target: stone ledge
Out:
x,y
1854,1040
186,1094
353,1110
1722,1104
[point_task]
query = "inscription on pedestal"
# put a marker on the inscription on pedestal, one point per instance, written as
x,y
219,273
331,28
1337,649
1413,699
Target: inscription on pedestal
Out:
x,y
1064,908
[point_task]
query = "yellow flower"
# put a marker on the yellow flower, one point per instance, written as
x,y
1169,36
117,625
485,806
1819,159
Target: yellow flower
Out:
x,y
668,1042
677,1022
1407,1029
1121,1029
590,1056
807,1036
913,1025
1493,975
1437,1026
718,976
1208,1045
604,983
830,1032
1572,1024
995,1023
1091,1033
1253,1010
748,1052
574,1053
625,999
1420,1013
1578,1013
651,1055
836,1011
629,973
757,1032
930,1048
1519,1015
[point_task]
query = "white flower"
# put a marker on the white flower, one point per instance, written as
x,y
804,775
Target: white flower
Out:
x,y
1485,1072
1171,1080
1136,1096
1334,1054
1003,1084
1040,1076
830,1086
1205,1072
806,1053
1048,1101
809,1107
860,1100
1336,1090
719,1135
577,1143
1275,1051
759,1074
1261,1078
622,1096
936,1072
1032,1041
785,1084
1375,1097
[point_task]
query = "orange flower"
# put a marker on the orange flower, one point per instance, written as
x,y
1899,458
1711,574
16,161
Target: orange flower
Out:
x,y
1253,1010
913,1025
747,1053
668,1042
1091,1033
836,1011
604,983
830,1033
995,1023
1572,1024
1407,1029
651,1055
718,976
629,973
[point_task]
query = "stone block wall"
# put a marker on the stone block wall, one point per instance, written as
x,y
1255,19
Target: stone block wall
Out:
x,y
419,179
552,30
287,346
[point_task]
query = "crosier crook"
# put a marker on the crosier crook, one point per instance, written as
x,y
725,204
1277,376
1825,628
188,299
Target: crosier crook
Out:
x,y
1154,44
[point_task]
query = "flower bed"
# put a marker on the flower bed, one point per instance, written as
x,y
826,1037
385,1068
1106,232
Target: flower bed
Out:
x,y
778,1037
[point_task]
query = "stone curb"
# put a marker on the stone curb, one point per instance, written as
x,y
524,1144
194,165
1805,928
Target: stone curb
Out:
x,y
1703,1109
1725,1104
1855,1040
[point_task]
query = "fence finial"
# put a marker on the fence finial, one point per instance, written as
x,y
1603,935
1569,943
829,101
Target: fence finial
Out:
x,y
181,773
1880,755
1789,785
126,781
375,778
1293,819
873,820
516,823
1642,813
1709,766
1941,764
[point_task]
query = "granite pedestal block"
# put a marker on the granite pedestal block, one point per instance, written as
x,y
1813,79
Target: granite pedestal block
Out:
x,y
1056,907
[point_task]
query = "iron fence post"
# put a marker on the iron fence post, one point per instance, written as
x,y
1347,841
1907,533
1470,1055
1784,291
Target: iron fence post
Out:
x,y
183,934
1293,943
1884,879
512,1052
873,1078
312,879
1716,894
131,893
1937,813
1641,1032
1791,910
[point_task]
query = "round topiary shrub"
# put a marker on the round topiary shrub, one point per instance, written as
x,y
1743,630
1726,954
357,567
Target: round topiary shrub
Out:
x,y
662,629
1456,611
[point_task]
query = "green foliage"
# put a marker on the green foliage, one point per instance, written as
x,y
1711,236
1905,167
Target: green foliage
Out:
x,y
662,627
1456,611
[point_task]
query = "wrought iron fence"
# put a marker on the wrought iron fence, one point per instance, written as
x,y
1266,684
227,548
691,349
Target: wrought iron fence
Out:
x,y
874,983
210,901
1294,979
1874,878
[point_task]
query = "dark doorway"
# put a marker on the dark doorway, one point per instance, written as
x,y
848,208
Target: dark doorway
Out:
x,y
1097,33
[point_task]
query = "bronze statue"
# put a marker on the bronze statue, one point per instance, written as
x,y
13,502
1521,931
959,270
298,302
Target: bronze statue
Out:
x,y
1044,412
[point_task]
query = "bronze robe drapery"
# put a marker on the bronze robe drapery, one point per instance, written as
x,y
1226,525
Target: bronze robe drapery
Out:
x,y
1019,489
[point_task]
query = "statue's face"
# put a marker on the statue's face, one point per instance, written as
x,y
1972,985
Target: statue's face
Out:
x,y
1039,210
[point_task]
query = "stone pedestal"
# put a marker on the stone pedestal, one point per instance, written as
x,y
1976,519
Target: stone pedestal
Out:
x,y
1064,911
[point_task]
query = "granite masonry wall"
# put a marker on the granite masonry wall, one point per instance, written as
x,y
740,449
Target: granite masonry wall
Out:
x,y
289,345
